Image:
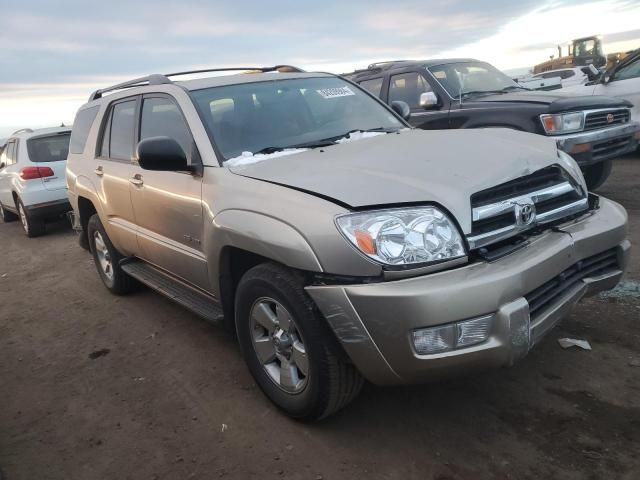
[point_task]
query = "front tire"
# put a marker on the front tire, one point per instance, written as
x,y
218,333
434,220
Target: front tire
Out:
x,y
595,175
289,348
33,227
107,259
6,215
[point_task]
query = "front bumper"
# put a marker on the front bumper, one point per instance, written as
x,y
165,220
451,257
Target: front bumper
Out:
x,y
374,321
596,146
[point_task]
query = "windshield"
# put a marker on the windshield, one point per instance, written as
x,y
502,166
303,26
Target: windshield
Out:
x,y
273,115
49,149
472,78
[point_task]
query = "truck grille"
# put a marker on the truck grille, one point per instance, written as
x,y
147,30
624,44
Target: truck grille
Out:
x,y
547,293
545,196
606,118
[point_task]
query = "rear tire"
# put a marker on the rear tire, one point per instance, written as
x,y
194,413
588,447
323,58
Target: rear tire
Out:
x,y
33,227
304,348
6,215
107,259
595,175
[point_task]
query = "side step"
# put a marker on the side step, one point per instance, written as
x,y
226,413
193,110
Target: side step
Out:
x,y
198,302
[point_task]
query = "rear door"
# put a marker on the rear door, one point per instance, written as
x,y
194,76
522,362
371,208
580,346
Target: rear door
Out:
x,y
168,205
113,173
50,151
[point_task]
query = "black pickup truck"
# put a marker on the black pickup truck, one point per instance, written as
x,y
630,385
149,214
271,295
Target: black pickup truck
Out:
x,y
467,93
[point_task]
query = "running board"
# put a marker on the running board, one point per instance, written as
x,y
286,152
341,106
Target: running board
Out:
x,y
198,302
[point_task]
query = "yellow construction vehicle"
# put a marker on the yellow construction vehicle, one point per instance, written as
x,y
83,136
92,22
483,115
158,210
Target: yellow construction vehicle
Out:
x,y
580,52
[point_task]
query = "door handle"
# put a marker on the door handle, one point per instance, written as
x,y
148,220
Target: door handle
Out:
x,y
137,180
99,171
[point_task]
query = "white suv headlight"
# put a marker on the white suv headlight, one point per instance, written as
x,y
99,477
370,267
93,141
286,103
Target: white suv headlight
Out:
x,y
558,123
403,236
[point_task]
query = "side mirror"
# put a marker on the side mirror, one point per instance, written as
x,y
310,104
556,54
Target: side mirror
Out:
x,y
161,154
401,108
428,100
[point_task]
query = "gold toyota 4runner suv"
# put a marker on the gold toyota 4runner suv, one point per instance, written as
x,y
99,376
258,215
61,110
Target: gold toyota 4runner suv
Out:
x,y
338,243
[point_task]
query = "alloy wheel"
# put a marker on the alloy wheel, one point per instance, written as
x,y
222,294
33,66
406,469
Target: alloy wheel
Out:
x,y
279,345
104,257
23,217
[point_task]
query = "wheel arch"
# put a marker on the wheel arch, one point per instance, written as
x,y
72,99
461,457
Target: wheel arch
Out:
x,y
244,239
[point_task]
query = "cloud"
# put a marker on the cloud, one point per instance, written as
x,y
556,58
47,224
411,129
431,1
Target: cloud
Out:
x,y
57,52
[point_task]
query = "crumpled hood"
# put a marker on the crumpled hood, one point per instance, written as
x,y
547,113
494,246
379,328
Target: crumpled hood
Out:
x,y
557,100
410,166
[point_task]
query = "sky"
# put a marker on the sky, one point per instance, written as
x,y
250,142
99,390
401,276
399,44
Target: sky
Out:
x,y
54,53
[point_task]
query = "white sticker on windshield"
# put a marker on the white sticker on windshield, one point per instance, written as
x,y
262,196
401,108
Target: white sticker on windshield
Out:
x,y
335,92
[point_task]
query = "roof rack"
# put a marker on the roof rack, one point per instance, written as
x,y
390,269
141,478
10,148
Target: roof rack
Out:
x,y
22,130
388,64
160,79
376,67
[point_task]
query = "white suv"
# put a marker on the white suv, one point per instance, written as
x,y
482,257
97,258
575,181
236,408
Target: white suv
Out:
x,y
32,177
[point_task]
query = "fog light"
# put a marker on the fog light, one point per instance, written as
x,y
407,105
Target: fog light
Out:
x,y
435,339
473,331
428,341
580,148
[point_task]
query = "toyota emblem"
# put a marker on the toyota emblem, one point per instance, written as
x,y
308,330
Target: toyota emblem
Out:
x,y
525,213
610,118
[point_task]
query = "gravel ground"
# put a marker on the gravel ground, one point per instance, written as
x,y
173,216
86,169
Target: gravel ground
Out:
x,y
94,386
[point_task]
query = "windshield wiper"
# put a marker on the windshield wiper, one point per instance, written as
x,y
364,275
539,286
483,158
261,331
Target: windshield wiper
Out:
x,y
267,150
324,142
359,130
481,92
493,92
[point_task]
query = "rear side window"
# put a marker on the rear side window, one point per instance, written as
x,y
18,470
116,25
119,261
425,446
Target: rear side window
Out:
x,y
162,118
373,86
51,148
81,126
122,129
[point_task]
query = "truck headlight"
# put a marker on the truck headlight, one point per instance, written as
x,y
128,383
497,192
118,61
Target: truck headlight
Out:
x,y
403,236
562,122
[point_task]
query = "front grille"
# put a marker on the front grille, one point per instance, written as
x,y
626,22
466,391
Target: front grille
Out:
x,y
611,148
544,178
606,118
549,292
497,212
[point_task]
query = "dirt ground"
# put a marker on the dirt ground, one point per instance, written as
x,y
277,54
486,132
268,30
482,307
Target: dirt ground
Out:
x,y
94,386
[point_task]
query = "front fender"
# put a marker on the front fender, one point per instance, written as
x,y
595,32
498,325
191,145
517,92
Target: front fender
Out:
x,y
262,235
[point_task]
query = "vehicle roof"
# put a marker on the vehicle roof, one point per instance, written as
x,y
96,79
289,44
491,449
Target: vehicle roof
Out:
x,y
393,65
240,78
29,133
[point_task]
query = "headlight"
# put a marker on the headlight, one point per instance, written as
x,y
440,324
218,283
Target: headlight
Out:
x,y
403,236
562,122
